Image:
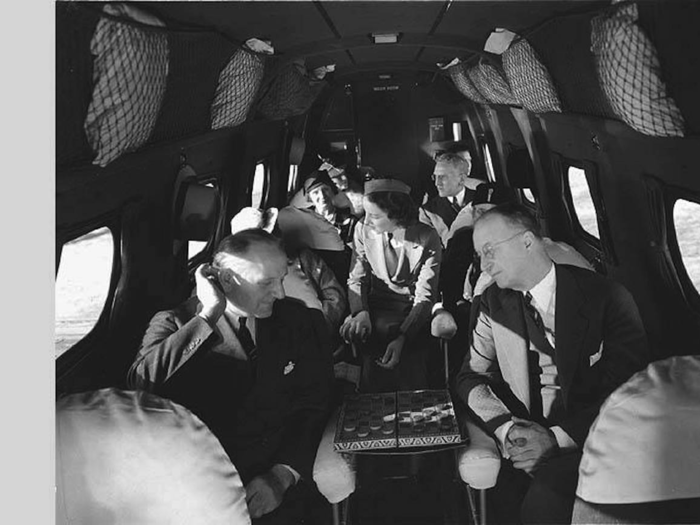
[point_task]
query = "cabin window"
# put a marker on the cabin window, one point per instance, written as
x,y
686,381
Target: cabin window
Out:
x,y
528,196
686,221
292,179
583,208
205,231
82,286
257,196
490,172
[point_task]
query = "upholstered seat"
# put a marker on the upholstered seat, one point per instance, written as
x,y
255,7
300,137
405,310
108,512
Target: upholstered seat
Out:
x,y
641,459
133,458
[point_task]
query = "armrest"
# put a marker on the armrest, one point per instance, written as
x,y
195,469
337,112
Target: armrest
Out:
x,y
443,325
480,461
334,473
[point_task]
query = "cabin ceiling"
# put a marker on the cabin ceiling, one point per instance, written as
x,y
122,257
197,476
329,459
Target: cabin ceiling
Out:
x,y
338,32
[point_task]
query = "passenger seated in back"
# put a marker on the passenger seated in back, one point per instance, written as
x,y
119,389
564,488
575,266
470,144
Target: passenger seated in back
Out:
x,y
320,192
254,366
309,279
392,288
456,261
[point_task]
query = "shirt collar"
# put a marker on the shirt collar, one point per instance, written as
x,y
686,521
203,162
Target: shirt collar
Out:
x,y
399,234
543,292
459,198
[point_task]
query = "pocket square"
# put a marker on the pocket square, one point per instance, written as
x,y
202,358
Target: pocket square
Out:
x,y
594,358
289,367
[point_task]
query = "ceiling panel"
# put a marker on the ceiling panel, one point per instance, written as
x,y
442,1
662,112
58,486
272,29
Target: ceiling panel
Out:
x,y
287,24
353,18
478,19
339,58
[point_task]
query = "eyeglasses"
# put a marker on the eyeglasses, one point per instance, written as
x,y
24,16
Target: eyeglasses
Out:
x,y
487,251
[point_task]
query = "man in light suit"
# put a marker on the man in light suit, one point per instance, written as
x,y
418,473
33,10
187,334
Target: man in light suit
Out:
x,y
254,366
550,344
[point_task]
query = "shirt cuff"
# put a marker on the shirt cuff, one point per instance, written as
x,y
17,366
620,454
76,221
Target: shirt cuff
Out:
x,y
501,434
296,475
563,439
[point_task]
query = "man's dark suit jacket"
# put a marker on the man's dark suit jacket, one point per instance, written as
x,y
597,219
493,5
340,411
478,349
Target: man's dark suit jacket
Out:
x,y
275,415
458,251
600,343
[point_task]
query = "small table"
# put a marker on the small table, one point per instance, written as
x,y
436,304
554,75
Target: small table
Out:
x,y
405,422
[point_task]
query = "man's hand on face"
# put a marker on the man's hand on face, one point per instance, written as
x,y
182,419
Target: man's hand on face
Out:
x,y
265,493
529,444
209,293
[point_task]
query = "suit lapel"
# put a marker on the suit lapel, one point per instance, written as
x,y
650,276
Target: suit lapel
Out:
x,y
570,326
511,342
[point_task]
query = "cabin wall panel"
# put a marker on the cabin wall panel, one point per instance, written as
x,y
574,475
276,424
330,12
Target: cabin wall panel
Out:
x,y
623,157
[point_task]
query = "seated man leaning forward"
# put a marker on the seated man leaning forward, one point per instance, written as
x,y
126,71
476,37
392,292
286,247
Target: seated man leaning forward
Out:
x,y
252,365
550,344
392,288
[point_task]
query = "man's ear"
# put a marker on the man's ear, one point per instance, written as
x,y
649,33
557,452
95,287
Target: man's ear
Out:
x,y
529,239
226,277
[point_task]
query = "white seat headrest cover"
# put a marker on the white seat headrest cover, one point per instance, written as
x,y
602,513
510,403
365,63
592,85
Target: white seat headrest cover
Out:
x,y
132,458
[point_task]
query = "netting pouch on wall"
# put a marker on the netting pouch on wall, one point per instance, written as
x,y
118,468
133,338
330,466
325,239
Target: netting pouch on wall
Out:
x,y
290,92
491,81
630,74
529,79
458,73
130,69
237,88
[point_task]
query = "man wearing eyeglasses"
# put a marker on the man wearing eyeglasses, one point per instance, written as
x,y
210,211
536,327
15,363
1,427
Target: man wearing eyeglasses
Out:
x,y
551,342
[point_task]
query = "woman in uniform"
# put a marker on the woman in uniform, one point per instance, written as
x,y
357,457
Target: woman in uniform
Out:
x,y
392,288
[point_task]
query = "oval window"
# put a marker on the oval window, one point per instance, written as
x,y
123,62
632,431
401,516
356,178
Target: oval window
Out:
x,y
584,208
686,221
82,286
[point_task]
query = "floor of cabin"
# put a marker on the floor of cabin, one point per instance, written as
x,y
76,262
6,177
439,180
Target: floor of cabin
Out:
x,y
405,490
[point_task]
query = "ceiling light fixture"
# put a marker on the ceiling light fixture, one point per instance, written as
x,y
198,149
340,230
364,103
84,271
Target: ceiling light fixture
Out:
x,y
385,38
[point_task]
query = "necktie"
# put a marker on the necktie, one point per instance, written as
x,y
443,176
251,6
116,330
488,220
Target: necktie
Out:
x,y
533,362
246,340
533,312
391,257
455,205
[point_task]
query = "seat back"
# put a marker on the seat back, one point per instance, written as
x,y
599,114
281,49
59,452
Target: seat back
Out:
x,y
132,458
640,459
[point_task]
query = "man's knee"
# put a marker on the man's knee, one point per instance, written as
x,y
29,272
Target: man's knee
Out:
x,y
552,492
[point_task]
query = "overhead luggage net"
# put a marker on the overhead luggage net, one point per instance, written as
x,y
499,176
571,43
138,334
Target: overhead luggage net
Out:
x,y
630,74
129,74
458,74
529,79
124,81
490,79
288,91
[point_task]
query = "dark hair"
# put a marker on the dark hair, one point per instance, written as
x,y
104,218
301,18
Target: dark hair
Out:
x,y
515,214
399,207
239,244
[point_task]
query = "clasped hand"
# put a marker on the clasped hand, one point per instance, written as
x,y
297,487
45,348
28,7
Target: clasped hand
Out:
x,y
529,444
265,493
356,327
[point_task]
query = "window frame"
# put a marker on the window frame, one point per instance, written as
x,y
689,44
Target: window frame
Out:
x,y
603,246
671,196
264,196
76,353
203,255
